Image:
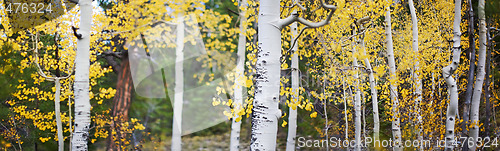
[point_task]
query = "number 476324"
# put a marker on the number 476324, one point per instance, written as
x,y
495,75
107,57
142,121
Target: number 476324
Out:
x,y
28,8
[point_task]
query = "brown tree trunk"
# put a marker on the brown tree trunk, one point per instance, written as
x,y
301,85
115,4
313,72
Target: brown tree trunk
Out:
x,y
487,81
122,100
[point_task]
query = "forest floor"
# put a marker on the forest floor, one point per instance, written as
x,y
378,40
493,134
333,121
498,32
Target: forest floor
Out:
x,y
216,142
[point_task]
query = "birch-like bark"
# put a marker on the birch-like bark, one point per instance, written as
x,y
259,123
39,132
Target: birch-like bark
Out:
x,y
363,110
373,90
70,119
470,76
345,110
450,81
416,75
81,86
396,131
357,101
324,99
57,97
265,112
292,117
478,86
487,82
238,91
57,105
179,85
61,143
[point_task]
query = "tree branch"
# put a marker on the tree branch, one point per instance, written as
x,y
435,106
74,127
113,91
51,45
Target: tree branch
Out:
x,y
40,72
112,62
74,1
362,20
232,11
295,17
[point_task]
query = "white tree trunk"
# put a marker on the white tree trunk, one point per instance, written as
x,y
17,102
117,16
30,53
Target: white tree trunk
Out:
x,y
81,86
363,110
345,110
179,85
357,101
450,81
396,131
238,91
70,119
376,121
57,106
57,99
476,97
265,112
292,117
418,80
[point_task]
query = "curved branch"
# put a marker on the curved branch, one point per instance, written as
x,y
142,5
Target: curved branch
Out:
x,y
39,69
295,17
40,72
362,20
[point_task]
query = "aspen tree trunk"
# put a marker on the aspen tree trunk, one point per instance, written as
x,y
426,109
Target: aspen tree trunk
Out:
x,y
470,78
487,80
57,101
238,91
60,137
363,110
292,117
450,81
324,99
265,112
416,75
478,86
396,131
81,86
179,85
373,90
357,101
57,96
345,110
70,119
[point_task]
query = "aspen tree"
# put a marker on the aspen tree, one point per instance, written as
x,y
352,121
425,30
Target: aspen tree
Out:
x,y
374,97
450,81
267,82
470,76
81,86
238,91
292,117
179,85
57,97
357,101
373,89
416,72
478,86
396,130
357,96
345,108
487,79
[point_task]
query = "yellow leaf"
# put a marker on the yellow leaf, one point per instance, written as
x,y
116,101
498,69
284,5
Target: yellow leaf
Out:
x,y
248,83
314,114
